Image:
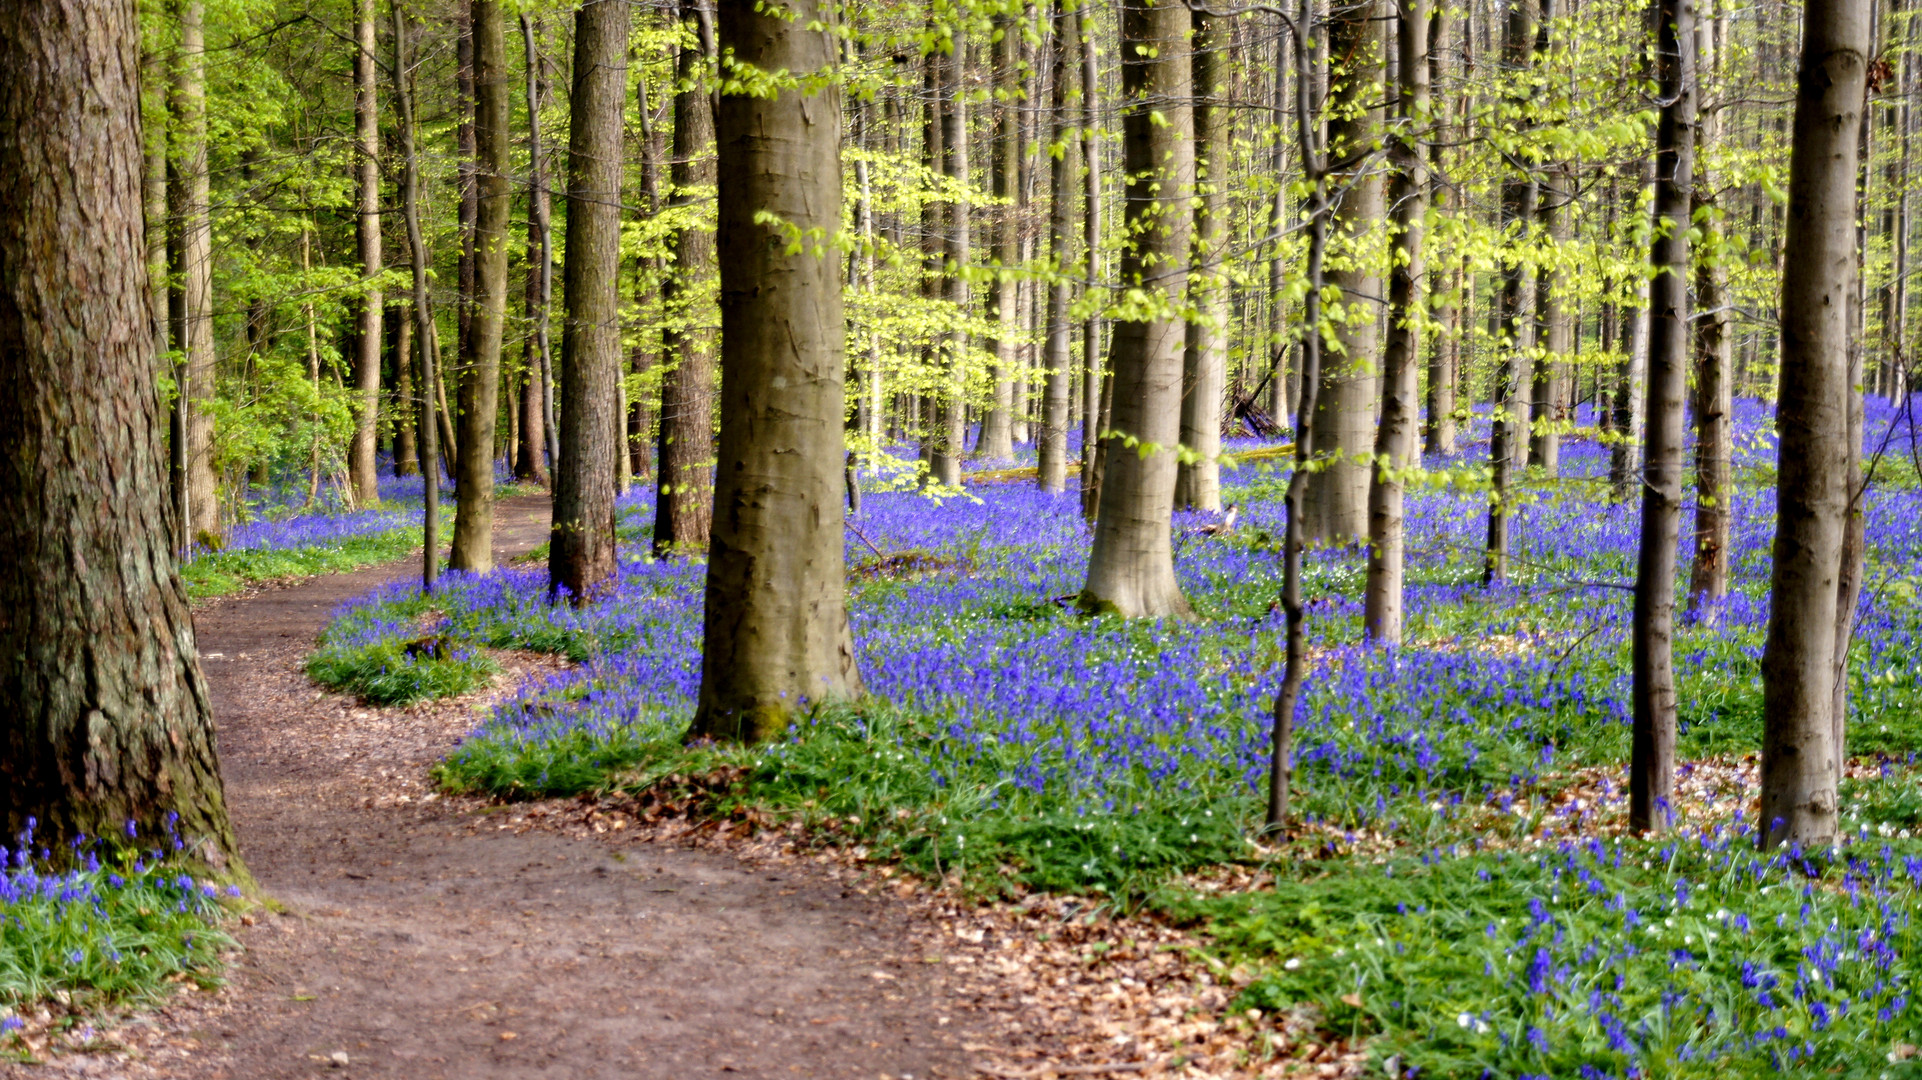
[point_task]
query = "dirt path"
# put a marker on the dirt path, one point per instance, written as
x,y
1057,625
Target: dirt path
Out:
x,y
420,940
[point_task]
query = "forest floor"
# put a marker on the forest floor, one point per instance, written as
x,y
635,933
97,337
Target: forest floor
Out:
x,y
413,935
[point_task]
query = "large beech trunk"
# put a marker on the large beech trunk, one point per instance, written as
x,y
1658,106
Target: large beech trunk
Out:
x,y
581,554
480,376
107,718
1205,358
776,634
1401,361
1058,355
1131,570
1337,495
684,500
1813,483
1651,771
361,472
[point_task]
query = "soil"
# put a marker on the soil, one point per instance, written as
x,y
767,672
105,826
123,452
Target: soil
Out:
x,y
420,937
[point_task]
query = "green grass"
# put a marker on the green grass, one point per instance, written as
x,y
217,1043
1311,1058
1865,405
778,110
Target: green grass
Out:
x,y
223,573
395,654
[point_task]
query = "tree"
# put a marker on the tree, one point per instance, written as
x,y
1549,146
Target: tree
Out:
x,y
480,376
775,629
1131,570
1813,486
540,439
1506,447
190,253
997,425
1337,508
1651,772
108,720
426,338
1400,405
951,431
684,501
1052,452
581,553
1714,403
367,325
1205,357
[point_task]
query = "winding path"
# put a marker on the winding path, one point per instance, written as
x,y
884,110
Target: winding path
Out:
x,y
421,940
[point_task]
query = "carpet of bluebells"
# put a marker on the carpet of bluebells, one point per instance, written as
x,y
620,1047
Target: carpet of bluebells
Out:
x,y
98,921
1458,887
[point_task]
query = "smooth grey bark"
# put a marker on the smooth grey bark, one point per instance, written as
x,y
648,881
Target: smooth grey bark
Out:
x,y
400,323
1131,570
190,252
1813,485
1344,418
581,555
539,439
1444,350
1052,453
1395,437
1204,379
108,720
1090,249
480,376
1651,771
1545,398
1507,448
361,474
684,496
775,628
426,344
951,419
996,441
1714,391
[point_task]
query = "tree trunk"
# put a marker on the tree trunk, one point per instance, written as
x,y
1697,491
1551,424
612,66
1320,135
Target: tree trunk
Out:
x,y
1651,774
191,253
776,634
480,380
1400,405
581,553
684,503
403,403
1091,253
997,424
1337,497
1131,570
1813,484
426,339
1205,357
951,436
1443,348
469,204
361,471
537,439
1714,390
1517,318
1544,410
1052,453
108,721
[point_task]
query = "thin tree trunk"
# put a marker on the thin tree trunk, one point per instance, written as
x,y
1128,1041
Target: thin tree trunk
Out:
x,y
1400,409
1651,775
1052,453
1091,253
1205,357
776,634
1813,482
1506,443
1544,410
426,340
480,381
1443,351
469,205
1131,569
684,502
537,425
997,424
402,404
108,720
952,433
581,553
192,258
1714,390
367,324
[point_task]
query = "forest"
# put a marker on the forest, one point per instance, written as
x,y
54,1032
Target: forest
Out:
x,y
1002,538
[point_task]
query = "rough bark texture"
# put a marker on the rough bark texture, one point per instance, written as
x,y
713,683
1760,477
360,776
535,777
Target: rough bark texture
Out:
x,y
367,319
684,502
581,558
1401,361
1131,570
107,718
1651,771
1204,379
480,375
776,631
1337,498
1812,479
191,253
1058,359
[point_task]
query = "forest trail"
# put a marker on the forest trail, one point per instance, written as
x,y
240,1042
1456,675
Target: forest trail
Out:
x,y
421,941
